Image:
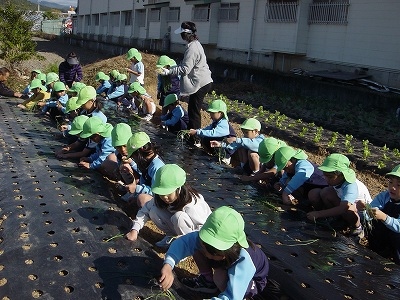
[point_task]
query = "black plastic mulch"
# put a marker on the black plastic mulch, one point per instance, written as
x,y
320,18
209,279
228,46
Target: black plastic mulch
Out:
x,y
57,221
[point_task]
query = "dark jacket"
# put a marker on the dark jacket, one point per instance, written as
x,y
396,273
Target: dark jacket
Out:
x,y
69,73
5,91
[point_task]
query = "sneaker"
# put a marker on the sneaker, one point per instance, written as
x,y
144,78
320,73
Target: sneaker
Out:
x,y
359,231
147,117
200,284
166,241
226,160
127,197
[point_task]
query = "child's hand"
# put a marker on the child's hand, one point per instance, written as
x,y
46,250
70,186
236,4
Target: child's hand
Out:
x,y
215,144
167,277
131,188
132,235
84,164
63,127
360,204
378,214
192,131
313,215
84,159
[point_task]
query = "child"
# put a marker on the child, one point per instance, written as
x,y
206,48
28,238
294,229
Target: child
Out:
x,y
299,176
40,95
175,117
51,78
227,261
113,80
142,101
100,133
268,169
27,89
90,103
340,197
59,102
137,68
385,217
145,155
120,90
79,148
42,77
105,84
75,88
218,130
166,84
177,208
247,147
4,90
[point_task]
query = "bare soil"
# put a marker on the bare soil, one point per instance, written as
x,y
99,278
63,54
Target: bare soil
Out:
x,y
54,51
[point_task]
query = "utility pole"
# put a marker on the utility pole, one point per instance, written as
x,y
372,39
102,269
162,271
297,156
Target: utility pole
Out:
x,y
38,5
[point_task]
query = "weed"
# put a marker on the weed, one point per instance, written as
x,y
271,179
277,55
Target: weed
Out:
x,y
333,140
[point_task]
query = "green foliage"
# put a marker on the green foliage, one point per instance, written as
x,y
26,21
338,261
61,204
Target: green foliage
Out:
x,y
366,151
51,68
51,15
15,36
333,140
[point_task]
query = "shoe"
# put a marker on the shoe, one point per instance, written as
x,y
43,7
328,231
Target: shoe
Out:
x,y
197,144
166,241
147,117
359,231
200,284
127,197
226,160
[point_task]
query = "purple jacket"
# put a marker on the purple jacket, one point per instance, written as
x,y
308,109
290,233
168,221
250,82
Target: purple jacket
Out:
x,y
69,73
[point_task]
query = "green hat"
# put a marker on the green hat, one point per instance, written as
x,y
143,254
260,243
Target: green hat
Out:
x,y
76,87
121,77
136,141
218,106
37,71
120,134
101,76
167,179
223,228
268,147
77,124
133,53
395,171
284,154
71,104
85,94
136,87
41,76
251,124
114,73
96,125
51,77
165,61
59,86
338,162
171,98
37,83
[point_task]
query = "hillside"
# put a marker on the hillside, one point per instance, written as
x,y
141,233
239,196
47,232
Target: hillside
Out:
x,y
28,5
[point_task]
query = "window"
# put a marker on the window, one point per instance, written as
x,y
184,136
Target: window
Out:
x,y
201,12
173,14
281,11
154,15
127,15
328,12
104,20
88,20
96,19
229,12
141,17
114,19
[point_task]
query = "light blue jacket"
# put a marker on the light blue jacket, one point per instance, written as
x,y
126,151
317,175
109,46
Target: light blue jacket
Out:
x,y
103,149
249,144
218,129
118,92
177,114
103,88
380,201
303,171
143,187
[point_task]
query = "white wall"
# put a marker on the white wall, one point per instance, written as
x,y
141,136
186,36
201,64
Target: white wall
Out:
x,y
371,38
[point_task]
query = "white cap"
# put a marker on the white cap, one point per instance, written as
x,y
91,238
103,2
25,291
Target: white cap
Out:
x,y
180,30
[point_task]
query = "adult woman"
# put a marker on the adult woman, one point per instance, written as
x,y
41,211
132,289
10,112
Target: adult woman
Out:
x,y
70,70
195,74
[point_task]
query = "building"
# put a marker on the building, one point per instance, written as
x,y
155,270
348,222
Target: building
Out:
x,y
357,36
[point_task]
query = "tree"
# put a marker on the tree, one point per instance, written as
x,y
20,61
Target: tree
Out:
x,y
16,42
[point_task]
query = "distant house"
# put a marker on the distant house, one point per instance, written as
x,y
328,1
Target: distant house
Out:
x,y
353,36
